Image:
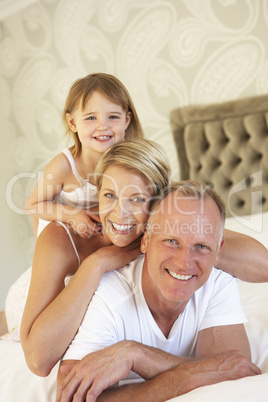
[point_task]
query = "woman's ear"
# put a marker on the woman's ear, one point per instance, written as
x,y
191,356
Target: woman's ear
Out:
x,y
71,122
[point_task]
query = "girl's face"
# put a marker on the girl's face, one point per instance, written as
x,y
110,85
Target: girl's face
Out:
x,y
124,200
101,125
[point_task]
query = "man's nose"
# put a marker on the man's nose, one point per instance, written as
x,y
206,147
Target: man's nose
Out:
x,y
182,257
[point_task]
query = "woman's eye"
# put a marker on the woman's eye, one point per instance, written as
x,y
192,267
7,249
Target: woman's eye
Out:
x,y
109,195
138,199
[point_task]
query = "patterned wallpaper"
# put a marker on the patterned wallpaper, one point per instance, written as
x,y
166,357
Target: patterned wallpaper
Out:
x,y
168,53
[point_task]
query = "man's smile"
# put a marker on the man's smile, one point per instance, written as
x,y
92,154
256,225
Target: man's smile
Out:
x,y
178,276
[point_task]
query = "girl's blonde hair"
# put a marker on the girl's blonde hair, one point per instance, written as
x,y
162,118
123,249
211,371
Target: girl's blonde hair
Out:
x,y
111,88
145,157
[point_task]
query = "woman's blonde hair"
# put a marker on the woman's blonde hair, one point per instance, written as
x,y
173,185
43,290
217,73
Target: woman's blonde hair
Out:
x,y
111,88
145,157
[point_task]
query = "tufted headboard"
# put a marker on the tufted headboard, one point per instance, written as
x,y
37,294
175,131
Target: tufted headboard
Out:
x,y
226,145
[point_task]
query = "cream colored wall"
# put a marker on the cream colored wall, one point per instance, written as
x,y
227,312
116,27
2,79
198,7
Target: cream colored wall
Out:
x,y
169,53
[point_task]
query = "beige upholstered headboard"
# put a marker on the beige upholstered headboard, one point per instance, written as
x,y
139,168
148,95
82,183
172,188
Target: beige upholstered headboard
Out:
x,y
226,145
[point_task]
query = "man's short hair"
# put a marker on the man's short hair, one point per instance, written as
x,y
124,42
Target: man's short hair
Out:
x,y
189,189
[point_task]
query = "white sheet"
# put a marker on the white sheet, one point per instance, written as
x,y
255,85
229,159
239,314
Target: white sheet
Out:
x,y
18,384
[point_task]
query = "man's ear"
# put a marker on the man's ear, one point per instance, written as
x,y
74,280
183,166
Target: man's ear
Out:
x,y
144,242
219,252
71,122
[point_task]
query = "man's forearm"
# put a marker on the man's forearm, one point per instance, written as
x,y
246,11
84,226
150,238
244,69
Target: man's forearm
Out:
x,y
101,369
148,362
184,378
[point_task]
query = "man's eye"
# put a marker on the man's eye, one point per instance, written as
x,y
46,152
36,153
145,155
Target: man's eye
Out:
x,y
201,247
171,242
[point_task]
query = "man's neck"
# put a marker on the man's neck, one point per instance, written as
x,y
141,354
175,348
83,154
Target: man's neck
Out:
x,y
163,311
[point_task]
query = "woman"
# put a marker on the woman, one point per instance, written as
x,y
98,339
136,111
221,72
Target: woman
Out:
x,y
128,176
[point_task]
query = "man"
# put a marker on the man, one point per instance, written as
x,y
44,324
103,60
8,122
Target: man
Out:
x,y
169,317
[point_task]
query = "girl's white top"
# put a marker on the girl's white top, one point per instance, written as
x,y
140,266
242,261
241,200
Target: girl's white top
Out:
x,y
84,196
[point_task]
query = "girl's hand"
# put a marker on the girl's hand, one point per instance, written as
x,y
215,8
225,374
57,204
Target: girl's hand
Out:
x,y
84,225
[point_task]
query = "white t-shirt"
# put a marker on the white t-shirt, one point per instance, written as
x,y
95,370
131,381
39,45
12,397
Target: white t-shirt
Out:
x,y
118,311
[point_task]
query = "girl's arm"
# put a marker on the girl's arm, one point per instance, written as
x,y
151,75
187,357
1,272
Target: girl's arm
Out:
x,y
54,312
244,257
41,204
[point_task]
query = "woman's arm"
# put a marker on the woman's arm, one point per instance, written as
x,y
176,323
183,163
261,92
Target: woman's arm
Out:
x,y
54,312
244,257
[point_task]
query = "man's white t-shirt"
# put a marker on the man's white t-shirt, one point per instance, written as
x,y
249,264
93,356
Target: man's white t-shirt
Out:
x,y
118,311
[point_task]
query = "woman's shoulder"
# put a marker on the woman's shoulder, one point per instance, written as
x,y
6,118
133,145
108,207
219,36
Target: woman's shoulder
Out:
x,y
55,241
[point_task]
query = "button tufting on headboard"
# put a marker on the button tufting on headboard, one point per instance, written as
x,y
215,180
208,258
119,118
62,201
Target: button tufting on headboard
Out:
x,y
226,145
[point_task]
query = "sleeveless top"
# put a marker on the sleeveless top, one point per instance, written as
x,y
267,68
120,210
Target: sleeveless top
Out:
x,y
84,196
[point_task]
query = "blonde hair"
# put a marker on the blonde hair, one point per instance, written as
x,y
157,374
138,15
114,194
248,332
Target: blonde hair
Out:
x,y
111,88
145,157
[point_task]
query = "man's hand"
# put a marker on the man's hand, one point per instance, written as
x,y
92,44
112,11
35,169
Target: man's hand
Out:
x,y
227,366
94,373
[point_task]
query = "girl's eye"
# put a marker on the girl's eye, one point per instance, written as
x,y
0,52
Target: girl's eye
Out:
x,y
113,117
91,118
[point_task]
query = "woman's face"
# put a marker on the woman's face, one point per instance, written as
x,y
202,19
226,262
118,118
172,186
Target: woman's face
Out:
x,y
124,200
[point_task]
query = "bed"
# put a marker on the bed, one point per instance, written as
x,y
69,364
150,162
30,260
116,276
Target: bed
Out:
x,y
226,146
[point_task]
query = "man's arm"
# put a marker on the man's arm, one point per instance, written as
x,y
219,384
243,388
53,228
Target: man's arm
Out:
x,y
167,375
215,340
182,379
102,369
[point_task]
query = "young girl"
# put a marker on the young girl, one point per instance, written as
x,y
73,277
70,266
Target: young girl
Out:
x,y
98,113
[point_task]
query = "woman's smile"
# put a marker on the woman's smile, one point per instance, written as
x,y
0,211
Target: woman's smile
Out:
x,y
122,228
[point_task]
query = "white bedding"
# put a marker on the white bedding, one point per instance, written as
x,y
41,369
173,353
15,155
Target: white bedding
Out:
x,y
18,384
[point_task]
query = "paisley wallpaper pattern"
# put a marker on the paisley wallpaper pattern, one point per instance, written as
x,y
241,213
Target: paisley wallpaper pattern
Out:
x,y
168,53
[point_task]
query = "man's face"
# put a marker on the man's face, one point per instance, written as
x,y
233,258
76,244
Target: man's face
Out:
x,y
181,249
